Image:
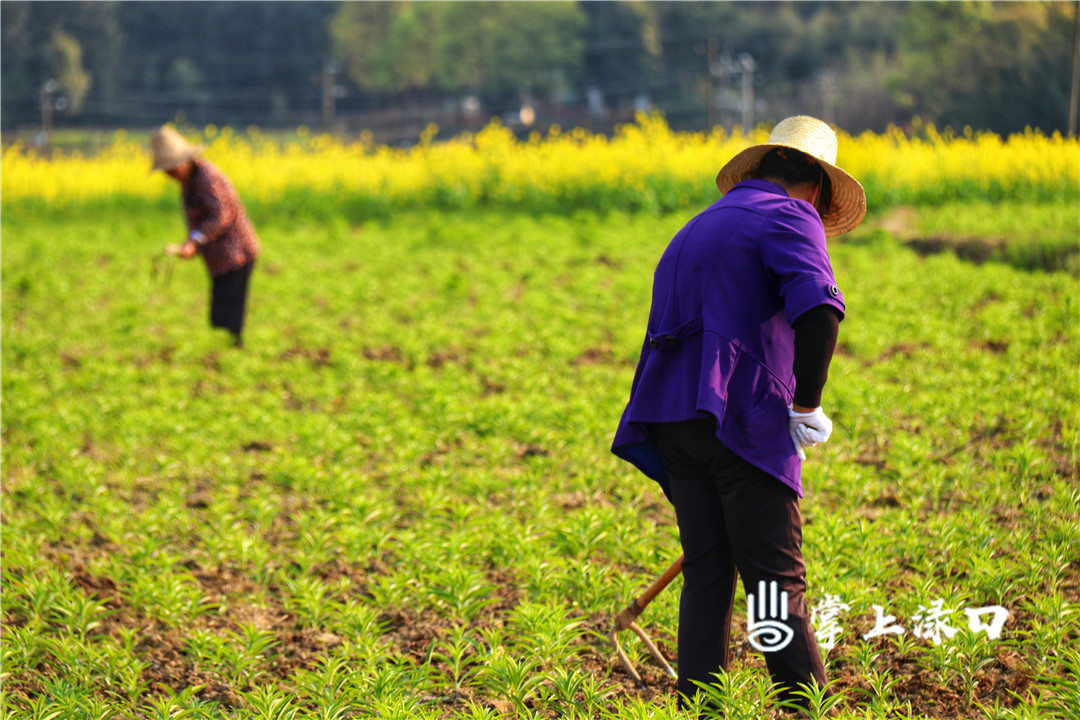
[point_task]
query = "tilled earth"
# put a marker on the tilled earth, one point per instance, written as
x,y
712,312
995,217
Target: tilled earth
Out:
x,y
410,636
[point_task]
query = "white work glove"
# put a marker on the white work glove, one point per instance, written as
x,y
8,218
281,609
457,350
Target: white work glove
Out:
x,y
808,429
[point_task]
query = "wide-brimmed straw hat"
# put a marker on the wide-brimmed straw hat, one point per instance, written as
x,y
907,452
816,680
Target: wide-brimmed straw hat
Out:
x,y
816,139
171,149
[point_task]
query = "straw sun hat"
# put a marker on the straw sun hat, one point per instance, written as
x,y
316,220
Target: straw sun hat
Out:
x,y
816,139
171,149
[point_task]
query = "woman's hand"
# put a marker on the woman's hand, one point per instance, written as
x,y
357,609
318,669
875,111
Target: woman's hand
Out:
x,y
188,249
807,428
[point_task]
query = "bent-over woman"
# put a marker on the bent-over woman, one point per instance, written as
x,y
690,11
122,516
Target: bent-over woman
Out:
x,y
218,227
727,394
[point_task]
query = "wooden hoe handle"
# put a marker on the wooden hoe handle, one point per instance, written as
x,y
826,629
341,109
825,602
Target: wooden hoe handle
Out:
x,y
661,582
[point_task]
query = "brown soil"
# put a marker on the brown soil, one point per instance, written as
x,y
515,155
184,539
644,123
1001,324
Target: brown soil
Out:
x,y
411,634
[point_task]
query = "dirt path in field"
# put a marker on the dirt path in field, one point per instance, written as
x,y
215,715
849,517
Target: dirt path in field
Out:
x,y
901,222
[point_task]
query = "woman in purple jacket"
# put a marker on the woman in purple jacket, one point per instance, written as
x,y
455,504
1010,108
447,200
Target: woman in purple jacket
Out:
x,y
727,393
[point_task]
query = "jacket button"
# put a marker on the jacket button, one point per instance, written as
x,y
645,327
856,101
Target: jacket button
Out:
x,y
654,343
833,290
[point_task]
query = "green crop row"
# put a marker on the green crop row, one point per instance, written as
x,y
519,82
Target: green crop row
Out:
x,y
398,500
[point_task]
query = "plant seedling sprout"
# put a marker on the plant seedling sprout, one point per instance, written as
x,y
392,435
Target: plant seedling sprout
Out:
x,y
626,619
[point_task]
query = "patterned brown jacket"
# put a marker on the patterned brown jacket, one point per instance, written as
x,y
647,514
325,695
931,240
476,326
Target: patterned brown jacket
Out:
x,y
217,221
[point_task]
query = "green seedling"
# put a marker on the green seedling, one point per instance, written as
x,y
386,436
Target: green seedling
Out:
x,y
881,684
578,692
545,633
332,709
1056,621
516,680
166,708
464,592
240,656
310,599
399,497
866,656
42,708
267,703
972,652
738,695
815,701
458,653
476,711
78,613
173,598
1063,698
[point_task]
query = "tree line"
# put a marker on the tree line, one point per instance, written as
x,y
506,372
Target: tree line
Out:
x,y
999,66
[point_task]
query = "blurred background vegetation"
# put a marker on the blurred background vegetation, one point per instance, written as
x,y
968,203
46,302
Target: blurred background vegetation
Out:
x,y
391,68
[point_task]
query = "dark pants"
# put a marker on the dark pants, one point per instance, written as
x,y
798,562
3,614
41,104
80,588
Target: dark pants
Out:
x,y
732,516
228,298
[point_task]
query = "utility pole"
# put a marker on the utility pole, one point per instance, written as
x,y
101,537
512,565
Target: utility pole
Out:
x,y
330,91
710,87
1074,94
47,89
829,82
724,72
747,67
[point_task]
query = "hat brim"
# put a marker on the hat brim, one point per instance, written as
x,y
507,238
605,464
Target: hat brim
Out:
x,y
848,207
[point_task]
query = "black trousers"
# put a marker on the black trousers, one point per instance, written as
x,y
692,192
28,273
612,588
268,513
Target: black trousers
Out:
x,y
735,519
228,299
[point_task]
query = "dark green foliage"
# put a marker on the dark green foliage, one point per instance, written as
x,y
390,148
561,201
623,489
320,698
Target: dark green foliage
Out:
x,y
863,65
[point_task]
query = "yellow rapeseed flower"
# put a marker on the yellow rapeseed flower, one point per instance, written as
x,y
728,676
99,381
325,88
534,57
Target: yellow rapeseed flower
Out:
x,y
644,164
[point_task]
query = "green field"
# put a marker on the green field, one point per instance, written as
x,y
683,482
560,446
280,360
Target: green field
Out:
x,y
398,500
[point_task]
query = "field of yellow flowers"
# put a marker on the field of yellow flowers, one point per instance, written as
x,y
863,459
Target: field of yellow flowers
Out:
x,y
644,166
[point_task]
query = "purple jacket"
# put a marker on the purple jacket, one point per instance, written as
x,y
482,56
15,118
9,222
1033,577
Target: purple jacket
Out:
x,y
725,293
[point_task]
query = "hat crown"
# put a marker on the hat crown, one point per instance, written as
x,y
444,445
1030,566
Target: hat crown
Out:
x,y
807,134
816,139
171,149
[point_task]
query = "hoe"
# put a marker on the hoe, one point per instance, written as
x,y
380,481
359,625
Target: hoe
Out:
x,y
626,619
163,263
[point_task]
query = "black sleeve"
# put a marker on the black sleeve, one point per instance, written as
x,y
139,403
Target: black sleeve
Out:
x,y
815,340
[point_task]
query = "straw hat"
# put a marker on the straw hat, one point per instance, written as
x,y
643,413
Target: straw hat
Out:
x,y
171,149
816,139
